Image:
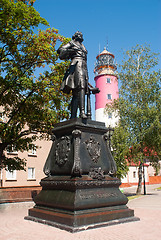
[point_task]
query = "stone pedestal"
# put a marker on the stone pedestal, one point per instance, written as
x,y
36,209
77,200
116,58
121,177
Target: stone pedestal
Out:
x,y
80,190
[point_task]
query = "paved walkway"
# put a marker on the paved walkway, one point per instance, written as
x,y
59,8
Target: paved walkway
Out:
x,y
147,208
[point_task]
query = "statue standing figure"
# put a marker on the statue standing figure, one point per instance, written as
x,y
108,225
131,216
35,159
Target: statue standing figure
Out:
x,y
76,77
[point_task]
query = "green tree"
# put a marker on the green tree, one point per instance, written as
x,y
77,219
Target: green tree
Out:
x,y
120,146
30,101
139,104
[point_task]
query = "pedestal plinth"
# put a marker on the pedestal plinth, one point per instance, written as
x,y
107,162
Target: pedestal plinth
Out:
x,y
80,190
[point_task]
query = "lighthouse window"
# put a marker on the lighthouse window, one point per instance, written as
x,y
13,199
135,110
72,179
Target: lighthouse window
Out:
x,y
109,96
108,80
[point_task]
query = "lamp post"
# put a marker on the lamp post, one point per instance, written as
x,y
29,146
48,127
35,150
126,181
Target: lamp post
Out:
x,y
144,179
92,90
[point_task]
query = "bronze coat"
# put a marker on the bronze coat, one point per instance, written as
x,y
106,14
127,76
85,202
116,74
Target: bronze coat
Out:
x,y
76,76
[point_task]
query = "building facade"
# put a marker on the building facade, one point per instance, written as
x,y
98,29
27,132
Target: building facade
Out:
x,y
132,177
23,185
35,160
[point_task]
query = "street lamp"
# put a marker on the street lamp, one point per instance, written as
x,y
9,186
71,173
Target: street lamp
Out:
x,y
92,90
144,178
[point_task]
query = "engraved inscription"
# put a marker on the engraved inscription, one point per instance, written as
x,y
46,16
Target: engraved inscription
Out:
x,y
97,195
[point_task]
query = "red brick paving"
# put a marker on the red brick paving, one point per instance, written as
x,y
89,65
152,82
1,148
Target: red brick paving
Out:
x,y
147,208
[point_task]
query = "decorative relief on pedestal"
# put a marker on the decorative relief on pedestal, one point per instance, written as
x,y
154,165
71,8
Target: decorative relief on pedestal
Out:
x,y
93,148
62,150
53,137
97,173
76,170
113,168
47,166
106,137
81,184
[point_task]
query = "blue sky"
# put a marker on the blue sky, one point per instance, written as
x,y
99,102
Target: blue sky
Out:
x,y
123,23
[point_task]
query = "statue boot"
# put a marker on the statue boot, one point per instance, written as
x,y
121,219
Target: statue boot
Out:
x,y
82,103
74,106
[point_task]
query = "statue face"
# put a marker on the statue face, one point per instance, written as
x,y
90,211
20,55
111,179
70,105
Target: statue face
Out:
x,y
78,36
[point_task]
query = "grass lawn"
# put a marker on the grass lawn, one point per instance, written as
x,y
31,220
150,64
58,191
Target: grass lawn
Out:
x,y
133,197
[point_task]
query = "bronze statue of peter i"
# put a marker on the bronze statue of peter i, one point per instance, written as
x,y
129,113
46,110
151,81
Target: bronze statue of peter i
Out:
x,y
76,77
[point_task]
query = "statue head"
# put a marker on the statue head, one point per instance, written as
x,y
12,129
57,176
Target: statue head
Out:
x,y
78,36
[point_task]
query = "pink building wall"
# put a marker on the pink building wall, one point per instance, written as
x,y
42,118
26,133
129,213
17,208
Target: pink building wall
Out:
x,y
36,161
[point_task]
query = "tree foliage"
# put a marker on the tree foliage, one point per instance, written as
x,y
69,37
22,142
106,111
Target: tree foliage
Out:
x,y
30,100
120,146
139,103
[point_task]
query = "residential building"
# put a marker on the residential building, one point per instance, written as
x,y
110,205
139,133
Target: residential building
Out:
x,y
23,185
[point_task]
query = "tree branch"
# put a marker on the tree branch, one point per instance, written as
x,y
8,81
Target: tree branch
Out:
x,y
14,112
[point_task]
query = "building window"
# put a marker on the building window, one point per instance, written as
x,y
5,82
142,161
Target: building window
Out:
x,y
31,173
32,152
109,115
134,174
11,175
108,80
109,96
11,150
